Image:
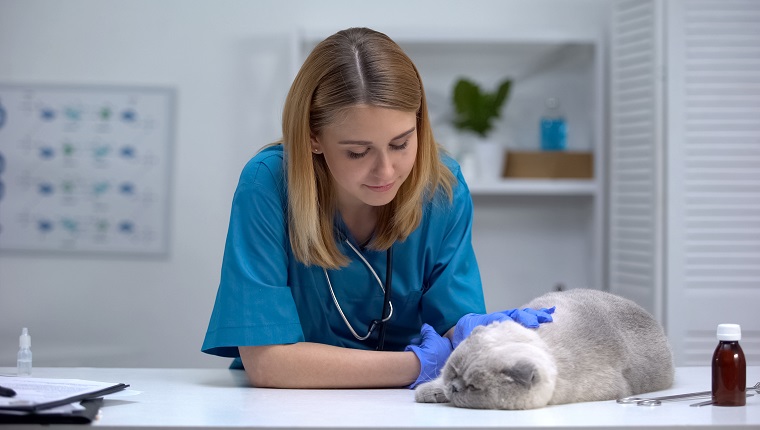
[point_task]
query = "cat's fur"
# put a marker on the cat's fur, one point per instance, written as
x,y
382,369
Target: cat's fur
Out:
x,y
599,347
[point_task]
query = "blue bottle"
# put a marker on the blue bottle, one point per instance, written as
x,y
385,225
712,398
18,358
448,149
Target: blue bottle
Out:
x,y
553,127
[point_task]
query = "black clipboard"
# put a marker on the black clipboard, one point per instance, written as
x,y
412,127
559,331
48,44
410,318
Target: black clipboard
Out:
x,y
86,416
33,407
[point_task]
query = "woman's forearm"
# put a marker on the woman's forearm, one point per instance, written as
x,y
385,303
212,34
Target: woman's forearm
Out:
x,y
313,365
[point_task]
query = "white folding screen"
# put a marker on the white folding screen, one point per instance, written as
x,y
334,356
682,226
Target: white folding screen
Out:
x,y
685,167
636,121
713,152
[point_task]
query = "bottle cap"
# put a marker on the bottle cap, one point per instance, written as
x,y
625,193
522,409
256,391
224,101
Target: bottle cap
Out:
x,y
25,341
552,103
729,332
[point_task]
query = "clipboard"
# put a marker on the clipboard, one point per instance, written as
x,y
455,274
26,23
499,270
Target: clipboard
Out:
x,y
86,416
79,393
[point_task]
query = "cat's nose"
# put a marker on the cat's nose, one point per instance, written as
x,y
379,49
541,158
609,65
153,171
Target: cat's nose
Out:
x,y
456,386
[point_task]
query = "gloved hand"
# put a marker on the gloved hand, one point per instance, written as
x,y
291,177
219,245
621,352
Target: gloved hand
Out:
x,y
433,351
530,318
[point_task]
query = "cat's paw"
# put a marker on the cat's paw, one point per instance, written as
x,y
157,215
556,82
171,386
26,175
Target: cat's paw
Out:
x,y
430,392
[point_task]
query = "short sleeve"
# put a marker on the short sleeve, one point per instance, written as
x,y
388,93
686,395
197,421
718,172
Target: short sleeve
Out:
x,y
454,285
254,305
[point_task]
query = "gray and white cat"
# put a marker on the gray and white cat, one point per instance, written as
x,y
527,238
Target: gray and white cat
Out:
x,y
599,347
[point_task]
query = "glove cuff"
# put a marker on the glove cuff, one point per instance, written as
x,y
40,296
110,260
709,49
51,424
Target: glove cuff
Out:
x,y
417,352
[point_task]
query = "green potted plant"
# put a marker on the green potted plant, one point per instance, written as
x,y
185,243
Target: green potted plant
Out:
x,y
477,109
475,112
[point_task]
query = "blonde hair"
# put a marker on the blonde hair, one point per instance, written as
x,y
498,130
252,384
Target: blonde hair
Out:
x,y
352,67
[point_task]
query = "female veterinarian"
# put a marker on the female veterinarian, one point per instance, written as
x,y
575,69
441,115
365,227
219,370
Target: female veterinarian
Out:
x,y
355,200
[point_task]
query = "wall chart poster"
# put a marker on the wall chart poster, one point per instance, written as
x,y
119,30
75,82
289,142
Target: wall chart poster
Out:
x,y
85,168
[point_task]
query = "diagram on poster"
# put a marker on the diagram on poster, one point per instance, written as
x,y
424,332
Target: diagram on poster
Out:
x,y
85,169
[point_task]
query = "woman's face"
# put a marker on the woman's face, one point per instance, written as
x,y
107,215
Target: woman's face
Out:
x,y
370,152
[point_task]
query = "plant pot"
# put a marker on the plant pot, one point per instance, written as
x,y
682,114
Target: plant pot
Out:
x,y
481,159
468,164
490,156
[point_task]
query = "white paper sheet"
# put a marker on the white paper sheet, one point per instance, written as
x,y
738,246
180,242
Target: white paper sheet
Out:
x,y
30,391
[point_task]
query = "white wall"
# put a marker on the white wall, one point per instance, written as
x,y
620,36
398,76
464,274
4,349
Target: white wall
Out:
x,y
135,312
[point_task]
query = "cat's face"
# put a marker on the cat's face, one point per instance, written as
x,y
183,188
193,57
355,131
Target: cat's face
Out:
x,y
500,366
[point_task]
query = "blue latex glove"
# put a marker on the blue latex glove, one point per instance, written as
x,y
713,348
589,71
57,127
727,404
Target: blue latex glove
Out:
x,y
433,351
530,318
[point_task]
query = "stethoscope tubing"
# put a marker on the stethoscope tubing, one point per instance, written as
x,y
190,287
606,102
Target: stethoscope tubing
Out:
x,y
386,297
387,304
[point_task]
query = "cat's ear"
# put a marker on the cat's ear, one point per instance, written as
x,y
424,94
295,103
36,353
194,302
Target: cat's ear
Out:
x,y
522,372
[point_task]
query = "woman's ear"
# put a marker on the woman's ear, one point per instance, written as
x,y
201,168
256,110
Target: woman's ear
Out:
x,y
315,146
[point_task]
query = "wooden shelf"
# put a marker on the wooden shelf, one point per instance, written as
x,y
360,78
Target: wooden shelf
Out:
x,y
547,187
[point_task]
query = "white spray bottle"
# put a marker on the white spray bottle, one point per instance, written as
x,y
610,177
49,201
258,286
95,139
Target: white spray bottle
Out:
x,y
24,362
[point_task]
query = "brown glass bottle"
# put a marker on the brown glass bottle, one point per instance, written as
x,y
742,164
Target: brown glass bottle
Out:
x,y
729,368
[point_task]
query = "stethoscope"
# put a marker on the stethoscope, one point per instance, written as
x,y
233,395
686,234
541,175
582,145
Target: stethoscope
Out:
x,y
387,305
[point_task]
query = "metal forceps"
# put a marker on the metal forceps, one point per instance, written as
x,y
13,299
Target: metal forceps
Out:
x,y
657,401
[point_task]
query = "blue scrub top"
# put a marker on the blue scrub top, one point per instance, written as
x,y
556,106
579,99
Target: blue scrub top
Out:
x,y
267,297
